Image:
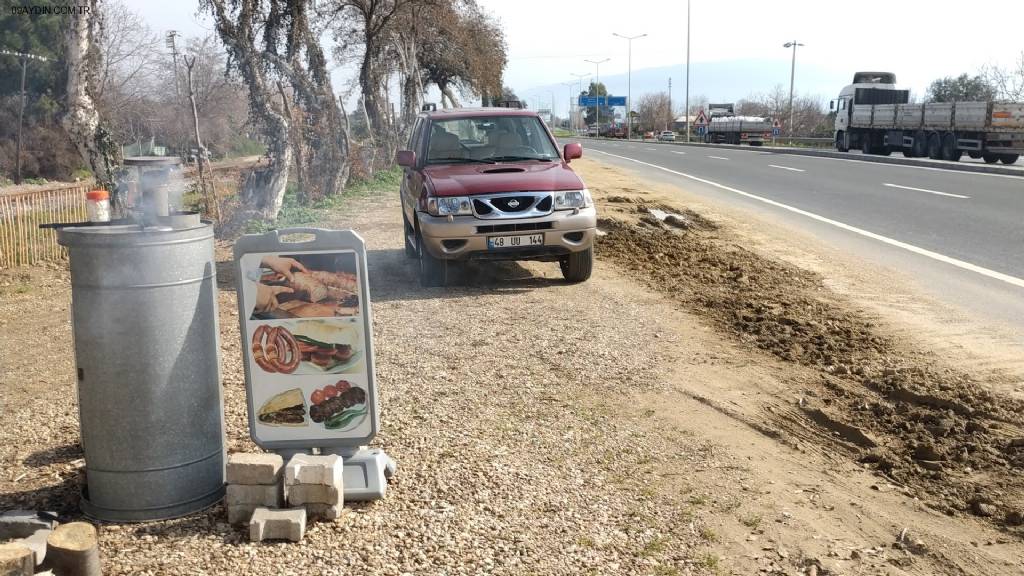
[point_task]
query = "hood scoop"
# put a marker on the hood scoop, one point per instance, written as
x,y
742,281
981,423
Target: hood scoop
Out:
x,y
503,170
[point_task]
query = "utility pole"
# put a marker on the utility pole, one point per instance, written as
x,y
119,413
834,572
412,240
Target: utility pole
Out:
x,y
792,75
580,78
23,58
569,120
687,112
629,82
171,35
597,89
671,116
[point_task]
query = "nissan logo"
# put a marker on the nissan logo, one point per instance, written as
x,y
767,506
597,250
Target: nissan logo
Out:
x,y
513,203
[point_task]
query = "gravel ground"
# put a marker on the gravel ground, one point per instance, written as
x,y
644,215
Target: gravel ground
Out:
x,y
504,402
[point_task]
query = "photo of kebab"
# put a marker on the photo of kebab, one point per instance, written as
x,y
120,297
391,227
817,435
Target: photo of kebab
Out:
x,y
307,286
338,405
278,350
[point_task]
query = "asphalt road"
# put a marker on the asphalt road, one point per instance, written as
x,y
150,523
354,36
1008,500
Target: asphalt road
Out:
x,y
960,234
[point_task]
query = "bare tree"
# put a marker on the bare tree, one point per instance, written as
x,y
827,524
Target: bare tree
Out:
x,y
239,24
654,111
1008,82
84,59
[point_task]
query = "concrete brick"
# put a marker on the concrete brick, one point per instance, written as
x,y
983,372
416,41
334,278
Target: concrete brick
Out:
x,y
240,513
318,511
266,524
307,469
23,523
247,468
299,494
258,495
37,542
16,560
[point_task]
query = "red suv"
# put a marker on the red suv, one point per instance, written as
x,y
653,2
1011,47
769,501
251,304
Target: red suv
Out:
x,y
490,184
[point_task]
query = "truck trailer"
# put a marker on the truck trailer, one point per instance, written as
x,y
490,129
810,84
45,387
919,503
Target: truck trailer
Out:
x,y
876,117
725,127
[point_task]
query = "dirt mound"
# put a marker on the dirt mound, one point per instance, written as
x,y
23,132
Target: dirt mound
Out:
x,y
921,424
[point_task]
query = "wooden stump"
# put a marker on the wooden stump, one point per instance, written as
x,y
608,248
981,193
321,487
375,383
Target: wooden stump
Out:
x,y
16,560
73,550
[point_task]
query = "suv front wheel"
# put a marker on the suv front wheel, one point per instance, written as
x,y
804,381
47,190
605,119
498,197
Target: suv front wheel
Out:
x,y
433,271
577,266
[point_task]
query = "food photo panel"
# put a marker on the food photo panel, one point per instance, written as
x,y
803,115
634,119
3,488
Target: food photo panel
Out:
x,y
308,347
318,285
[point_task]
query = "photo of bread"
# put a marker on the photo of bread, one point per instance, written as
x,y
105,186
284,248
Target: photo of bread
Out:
x,y
307,286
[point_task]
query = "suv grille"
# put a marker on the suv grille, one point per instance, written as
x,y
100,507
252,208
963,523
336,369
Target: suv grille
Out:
x,y
513,203
481,208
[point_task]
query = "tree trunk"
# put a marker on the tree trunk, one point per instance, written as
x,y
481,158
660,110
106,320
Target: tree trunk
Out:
x,y
208,190
73,550
82,120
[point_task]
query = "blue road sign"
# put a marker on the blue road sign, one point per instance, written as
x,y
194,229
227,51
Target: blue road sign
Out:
x,y
776,131
701,129
602,100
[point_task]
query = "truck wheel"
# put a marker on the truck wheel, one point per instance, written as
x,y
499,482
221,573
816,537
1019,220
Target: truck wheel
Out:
x,y
577,266
1008,158
990,157
841,145
865,144
949,150
408,230
934,146
920,146
433,271
974,154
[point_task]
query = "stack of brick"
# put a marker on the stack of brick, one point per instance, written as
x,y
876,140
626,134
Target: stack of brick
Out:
x,y
317,484
254,481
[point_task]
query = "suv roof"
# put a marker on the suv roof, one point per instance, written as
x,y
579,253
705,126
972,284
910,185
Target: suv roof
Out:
x,y
476,112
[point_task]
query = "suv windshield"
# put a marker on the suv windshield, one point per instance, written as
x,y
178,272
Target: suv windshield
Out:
x,y
489,139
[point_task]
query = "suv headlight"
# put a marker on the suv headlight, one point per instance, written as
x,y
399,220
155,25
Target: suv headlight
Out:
x,y
569,199
449,206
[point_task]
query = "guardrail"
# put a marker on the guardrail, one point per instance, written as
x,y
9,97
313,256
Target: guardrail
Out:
x,y
22,242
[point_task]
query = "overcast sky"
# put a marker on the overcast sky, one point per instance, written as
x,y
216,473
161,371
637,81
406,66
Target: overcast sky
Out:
x,y
548,40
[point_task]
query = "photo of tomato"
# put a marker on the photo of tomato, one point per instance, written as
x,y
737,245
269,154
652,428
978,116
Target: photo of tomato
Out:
x,y
330,391
317,397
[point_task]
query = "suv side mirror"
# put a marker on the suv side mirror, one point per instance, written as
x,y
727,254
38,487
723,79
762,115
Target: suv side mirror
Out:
x,y
831,104
572,151
406,158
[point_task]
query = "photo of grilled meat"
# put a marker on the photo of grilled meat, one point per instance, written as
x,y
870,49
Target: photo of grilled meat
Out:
x,y
319,286
337,404
285,409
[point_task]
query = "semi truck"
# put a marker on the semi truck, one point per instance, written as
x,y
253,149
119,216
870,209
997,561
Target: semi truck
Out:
x,y
725,127
876,117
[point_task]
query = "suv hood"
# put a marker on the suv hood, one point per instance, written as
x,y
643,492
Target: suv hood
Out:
x,y
469,179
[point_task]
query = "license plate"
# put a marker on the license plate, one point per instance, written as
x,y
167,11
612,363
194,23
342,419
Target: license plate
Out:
x,y
524,241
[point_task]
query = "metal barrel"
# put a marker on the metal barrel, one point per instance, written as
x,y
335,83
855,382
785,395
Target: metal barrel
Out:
x,y
146,346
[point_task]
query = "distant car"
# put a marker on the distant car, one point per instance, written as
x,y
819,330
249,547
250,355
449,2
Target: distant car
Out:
x,y
491,184
648,135
667,136
592,131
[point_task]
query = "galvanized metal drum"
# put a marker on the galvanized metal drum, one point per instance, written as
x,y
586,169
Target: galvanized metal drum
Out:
x,y
146,346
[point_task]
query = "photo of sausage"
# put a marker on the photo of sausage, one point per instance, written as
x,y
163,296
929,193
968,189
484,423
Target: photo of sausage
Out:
x,y
307,347
274,349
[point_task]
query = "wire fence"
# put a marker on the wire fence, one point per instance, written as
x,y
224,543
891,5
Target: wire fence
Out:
x,y
22,242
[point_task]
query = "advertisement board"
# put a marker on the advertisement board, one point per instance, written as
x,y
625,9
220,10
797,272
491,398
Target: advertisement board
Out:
x,y
307,339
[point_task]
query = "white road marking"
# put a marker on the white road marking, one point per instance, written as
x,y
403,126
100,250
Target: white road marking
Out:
x,y
650,148
678,152
1012,280
923,190
718,157
787,168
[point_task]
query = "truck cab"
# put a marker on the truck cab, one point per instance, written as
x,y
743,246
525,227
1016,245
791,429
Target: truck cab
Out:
x,y
843,105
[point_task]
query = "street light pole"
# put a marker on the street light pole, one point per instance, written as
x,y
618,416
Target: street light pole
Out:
x,y
686,112
792,75
569,118
597,88
629,82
